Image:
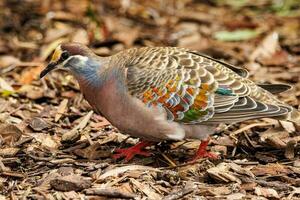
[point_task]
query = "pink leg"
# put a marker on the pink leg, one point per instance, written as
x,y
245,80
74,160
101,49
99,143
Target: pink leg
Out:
x,y
130,152
202,153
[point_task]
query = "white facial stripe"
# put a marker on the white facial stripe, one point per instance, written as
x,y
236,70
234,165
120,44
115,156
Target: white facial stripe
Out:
x,y
82,59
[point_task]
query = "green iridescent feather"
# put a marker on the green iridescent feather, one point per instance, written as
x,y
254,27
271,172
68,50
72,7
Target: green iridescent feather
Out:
x,y
224,91
193,115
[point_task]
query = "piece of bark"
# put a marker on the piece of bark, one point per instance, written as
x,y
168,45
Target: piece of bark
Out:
x,y
9,151
248,186
276,142
62,108
179,194
290,149
74,134
109,192
70,182
151,194
266,192
123,169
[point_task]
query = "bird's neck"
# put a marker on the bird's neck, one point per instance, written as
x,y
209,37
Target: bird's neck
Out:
x,y
97,78
101,81
106,97
86,71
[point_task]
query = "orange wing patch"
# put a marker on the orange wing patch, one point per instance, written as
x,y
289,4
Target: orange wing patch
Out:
x,y
163,96
177,104
201,100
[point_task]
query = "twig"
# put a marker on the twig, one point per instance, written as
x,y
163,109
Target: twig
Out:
x,y
40,158
248,139
15,110
168,159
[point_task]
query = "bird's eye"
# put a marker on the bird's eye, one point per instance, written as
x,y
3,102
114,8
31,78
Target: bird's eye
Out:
x,y
65,55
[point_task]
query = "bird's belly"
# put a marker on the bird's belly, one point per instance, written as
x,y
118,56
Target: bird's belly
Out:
x,y
132,117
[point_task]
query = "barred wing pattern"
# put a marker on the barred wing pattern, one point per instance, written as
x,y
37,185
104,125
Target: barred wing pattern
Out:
x,y
194,88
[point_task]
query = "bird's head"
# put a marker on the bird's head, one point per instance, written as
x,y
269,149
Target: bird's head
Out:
x,y
72,56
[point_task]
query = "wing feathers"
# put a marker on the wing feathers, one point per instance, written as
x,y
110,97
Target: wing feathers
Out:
x,y
193,88
240,71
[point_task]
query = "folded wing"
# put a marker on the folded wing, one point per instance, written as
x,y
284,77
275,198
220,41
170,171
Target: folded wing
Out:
x,y
194,88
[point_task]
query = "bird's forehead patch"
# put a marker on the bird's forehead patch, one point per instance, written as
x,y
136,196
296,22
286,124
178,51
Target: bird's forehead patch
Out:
x,y
56,55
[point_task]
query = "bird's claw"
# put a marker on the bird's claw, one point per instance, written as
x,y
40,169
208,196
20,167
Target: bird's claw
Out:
x,y
203,153
130,152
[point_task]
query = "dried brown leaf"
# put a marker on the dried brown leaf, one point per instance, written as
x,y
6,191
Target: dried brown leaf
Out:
x,y
30,75
288,126
267,47
10,133
38,124
7,60
32,92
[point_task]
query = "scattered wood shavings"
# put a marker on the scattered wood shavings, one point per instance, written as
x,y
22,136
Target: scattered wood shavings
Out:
x,y
62,108
120,170
52,146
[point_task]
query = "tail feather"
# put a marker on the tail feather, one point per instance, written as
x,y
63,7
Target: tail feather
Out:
x,y
293,114
275,88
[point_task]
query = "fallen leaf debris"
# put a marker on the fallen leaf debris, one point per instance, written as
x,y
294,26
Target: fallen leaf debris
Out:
x,y
52,146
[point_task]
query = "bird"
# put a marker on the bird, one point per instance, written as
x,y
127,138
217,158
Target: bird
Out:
x,y
168,93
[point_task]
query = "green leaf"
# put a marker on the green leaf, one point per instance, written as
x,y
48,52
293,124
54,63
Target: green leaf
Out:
x,y
286,7
239,35
7,93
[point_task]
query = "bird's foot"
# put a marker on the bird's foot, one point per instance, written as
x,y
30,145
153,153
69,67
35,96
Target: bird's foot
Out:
x,y
130,152
203,153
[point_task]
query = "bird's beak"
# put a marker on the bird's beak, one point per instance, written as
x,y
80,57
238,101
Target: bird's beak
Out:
x,y
51,66
55,61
